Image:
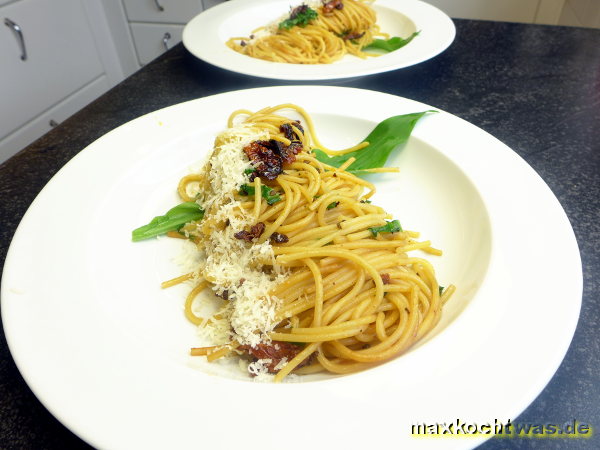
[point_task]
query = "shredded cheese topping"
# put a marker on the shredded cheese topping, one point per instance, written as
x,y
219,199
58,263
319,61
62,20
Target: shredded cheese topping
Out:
x,y
235,267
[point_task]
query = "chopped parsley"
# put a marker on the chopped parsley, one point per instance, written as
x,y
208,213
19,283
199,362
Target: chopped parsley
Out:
x,y
392,226
270,195
300,16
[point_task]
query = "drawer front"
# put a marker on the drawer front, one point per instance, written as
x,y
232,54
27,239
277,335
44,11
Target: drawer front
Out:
x,y
61,57
40,125
173,11
151,40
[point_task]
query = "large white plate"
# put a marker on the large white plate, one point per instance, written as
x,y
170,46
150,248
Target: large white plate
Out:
x,y
205,37
105,349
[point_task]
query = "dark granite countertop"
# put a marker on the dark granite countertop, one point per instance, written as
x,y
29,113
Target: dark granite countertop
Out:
x,y
536,88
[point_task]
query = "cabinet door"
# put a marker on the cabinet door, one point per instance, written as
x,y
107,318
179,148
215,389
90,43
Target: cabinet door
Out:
x,y
153,39
61,57
162,11
43,123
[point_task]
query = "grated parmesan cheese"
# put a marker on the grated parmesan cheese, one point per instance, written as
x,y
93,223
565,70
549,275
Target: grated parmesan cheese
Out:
x,y
227,164
259,367
217,331
231,264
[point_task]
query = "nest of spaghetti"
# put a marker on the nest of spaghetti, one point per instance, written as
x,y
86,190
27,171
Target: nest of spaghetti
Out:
x,y
311,275
314,33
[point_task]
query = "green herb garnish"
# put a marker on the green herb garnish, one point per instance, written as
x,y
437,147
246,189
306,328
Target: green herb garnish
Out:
x,y
173,220
384,138
270,195
441,289
332,205
392,226
250,170
391,44
301,16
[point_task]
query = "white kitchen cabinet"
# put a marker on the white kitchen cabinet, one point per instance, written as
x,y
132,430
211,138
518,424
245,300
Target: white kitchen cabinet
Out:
x,y
55,58
47,65
152,39
44,122
75,51
157,25
162,11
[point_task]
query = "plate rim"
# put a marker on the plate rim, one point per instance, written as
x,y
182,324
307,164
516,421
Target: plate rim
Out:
x,y
209,21
12,339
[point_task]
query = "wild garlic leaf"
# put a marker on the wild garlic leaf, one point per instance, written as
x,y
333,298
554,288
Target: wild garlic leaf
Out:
x,y
385,137
173,220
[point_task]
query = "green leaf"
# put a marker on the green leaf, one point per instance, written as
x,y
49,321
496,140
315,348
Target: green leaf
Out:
x,y
384,138
270,195
391,44
392,226
332,205
301,16
173,220
441,289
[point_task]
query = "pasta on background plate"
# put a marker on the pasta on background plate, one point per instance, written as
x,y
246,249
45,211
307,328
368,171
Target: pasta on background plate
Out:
x,y
308,274
320,32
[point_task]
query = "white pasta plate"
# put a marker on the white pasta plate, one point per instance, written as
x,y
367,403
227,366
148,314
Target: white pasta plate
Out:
x,y
106,350
206,34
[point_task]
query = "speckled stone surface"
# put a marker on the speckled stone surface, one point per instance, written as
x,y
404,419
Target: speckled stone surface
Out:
x,y
536,88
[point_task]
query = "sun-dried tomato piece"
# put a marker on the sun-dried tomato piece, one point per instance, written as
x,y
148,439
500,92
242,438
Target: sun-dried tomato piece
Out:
x,y
276,351
291,151
288,131
268,157
288,153
255,232
278,238
264,158
385,277
329,6
285,152
298,10
352,35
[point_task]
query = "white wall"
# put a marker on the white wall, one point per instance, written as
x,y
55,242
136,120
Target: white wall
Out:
x,y
581,13
507,10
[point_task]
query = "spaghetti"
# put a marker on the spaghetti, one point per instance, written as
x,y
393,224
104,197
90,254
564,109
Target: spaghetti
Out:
x,y
310,274
323,35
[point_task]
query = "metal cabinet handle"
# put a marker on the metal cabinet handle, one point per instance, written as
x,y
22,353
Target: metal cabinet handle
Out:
x,y
159,6
166,38
19,35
